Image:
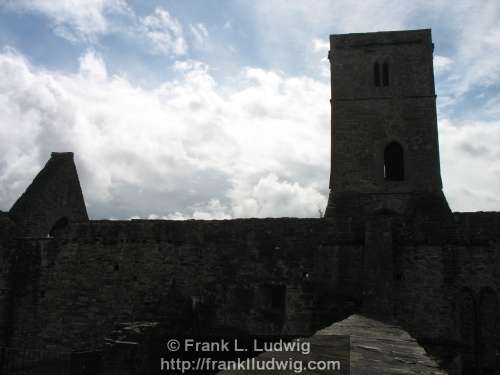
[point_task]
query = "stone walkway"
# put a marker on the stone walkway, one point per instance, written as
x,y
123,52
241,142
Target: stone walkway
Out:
x,y
377,348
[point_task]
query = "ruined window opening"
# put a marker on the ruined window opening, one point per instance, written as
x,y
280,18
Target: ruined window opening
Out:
x,y
385,74
376,74
58,226
393,162
116,267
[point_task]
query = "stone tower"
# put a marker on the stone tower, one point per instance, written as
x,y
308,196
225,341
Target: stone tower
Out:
x,y
384,146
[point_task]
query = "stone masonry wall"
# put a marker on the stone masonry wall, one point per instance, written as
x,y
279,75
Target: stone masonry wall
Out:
x,y
431,272
8,232
54,196
252,275
259,276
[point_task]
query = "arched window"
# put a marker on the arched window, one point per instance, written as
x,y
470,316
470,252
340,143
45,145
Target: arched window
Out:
x,y
385,74
58,226
394,162
376,74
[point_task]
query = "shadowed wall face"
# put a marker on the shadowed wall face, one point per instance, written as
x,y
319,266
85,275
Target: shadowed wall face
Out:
x,y
53,199
267,276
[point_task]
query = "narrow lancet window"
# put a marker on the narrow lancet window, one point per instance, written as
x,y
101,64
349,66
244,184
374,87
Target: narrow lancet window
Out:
x,y
376,74
394,162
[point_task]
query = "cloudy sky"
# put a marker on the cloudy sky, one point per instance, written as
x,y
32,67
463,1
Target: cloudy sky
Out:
x,y
220,108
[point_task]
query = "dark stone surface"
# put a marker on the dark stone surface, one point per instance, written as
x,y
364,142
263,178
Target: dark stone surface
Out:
x,y
382,348
366,118
55,193
377,348
234,270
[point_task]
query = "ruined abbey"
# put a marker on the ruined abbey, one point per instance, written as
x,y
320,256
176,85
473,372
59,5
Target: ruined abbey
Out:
x,y
388,247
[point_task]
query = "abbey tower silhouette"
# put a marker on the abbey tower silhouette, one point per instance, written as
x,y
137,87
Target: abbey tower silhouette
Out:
x,y
389,248
385,149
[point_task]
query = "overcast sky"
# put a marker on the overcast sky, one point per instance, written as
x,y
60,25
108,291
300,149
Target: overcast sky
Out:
x,y
220,109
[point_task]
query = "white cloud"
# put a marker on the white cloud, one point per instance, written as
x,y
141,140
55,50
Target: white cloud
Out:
x,y
164,32
470,164
321,45
185,149
320,48
213,210
87,20
477,48
73,19
270,195
492,106
190,65
442,64
92,67
200,32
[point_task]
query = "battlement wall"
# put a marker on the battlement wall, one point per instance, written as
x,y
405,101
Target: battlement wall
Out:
x,y
442,276
247,275
201,231
478,226
252,275
458,229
